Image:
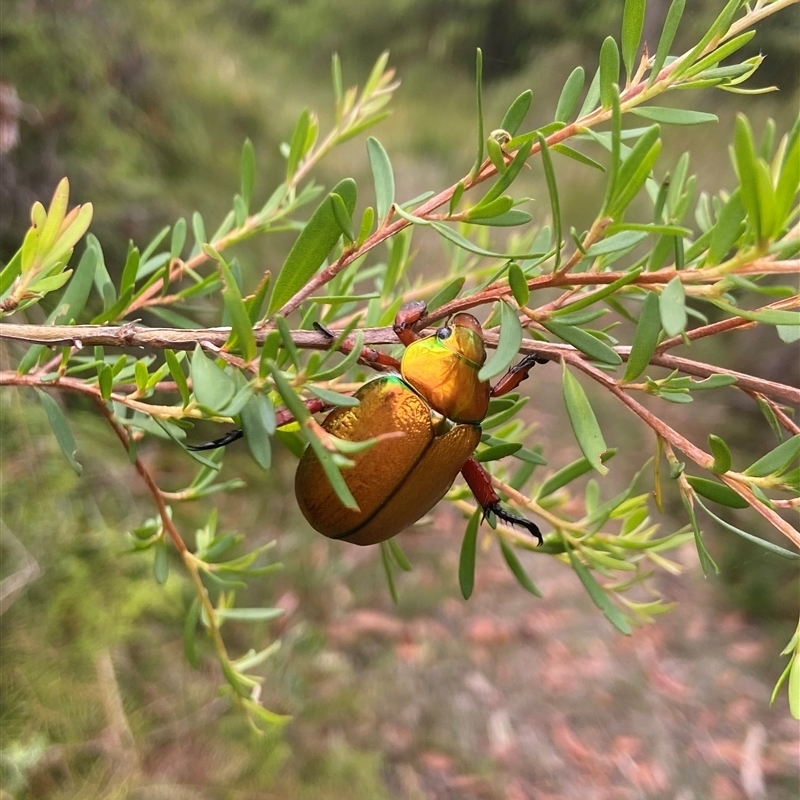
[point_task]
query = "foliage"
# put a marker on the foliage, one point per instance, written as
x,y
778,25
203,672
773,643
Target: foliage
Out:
x,y
641,262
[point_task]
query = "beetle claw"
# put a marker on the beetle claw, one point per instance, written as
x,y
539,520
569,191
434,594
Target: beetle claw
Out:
x,y
513,519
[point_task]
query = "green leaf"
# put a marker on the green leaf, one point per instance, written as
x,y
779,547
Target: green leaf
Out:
x,y
672,306
727,229
312,246
507,346
333,398
518,284
242,335
460,241
75,296
674,116
516,112
161,562
718,492
190,633
568,474
648,330
722,455
516,568
767,545
458,193
178,375
399,556
178,238
624,240
634,172
70,237
383,176
575,155
744,149
248,614
599,597
58,422
466,561
343,217
507,178
258,424
788,179
584,341
498,451
494,208
632,25
583,421
479,93
297,148
552,188
707,563
213,387
199,231
55,217
387,568
769,316
777,460
592,96
609,71
447,293
509,219
568,100
247,171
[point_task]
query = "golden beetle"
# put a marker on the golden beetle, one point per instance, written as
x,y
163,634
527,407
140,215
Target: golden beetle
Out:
x,y
438,403
434,398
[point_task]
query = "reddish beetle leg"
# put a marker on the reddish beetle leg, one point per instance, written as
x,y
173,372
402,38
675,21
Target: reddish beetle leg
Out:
x,y
480,483
477,478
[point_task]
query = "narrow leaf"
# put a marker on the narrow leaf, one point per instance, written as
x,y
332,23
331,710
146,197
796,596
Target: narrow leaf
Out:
x,y
247,171
518,284
58,422
722,455
552,188
718,492
568,100
609,71
387,568
466,562
583,341
777,460
516,112
383,177
674,116
507,346
672,307
645,339
213,387
632,24
518,571
258,424
599,597
312,246
583,421
767,545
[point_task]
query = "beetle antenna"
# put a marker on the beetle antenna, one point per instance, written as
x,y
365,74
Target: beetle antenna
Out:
x,y
513,519
230,436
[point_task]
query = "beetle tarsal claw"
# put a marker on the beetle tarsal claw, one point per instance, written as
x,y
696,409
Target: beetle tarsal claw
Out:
x,y
513,519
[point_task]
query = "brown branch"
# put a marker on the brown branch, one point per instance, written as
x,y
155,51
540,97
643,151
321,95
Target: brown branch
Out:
x,y
696,454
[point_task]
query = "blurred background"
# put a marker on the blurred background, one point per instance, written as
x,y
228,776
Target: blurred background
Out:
x,y
145,107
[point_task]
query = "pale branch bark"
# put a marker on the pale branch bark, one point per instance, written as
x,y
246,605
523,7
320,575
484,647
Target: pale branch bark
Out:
x,y
138,337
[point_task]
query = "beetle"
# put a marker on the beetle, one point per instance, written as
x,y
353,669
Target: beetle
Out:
x,y
434,398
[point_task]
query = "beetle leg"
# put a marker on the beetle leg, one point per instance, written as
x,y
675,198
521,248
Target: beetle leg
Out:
x,y
407,317
516,374
480,483
282,417
369,356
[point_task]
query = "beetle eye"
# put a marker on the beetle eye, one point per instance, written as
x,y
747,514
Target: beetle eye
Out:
x,y
444,333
